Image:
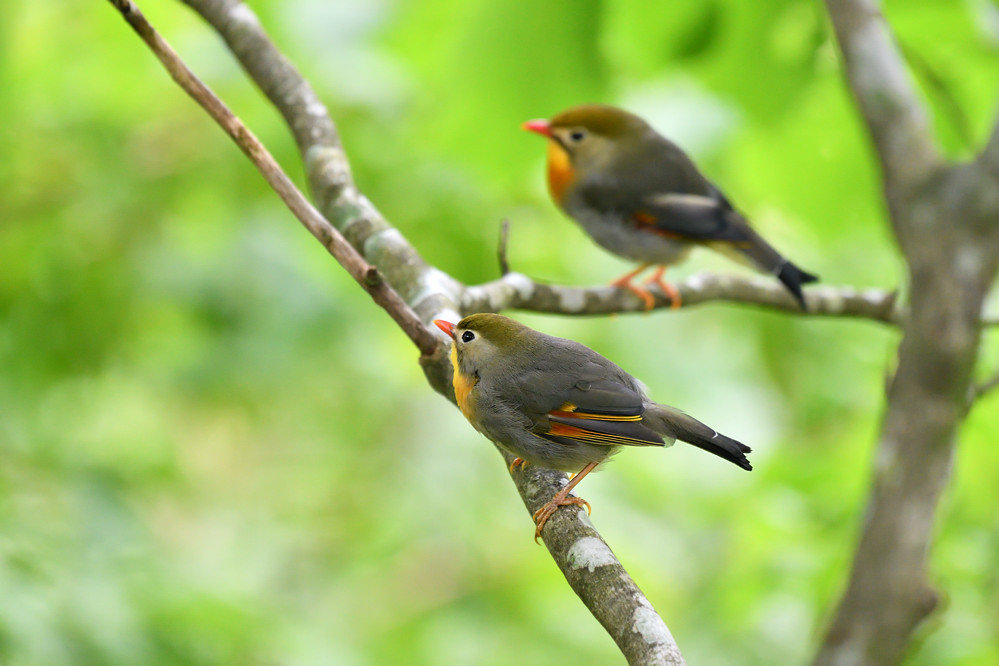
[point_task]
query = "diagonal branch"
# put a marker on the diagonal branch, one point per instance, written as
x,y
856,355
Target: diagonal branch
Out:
x,y
885,91
428,291
594,572
587,562
365,274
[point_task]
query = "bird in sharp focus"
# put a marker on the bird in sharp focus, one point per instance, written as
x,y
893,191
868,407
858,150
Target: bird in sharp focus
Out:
x,y
558,404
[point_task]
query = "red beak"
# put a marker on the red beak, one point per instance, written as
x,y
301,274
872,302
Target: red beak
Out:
x,y
445,326
539,126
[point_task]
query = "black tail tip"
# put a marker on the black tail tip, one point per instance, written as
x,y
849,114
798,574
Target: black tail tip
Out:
x,y
738,456
805,277
793,277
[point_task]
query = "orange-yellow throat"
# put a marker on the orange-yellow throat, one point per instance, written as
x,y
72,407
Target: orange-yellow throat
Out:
x,y
463,385
560,173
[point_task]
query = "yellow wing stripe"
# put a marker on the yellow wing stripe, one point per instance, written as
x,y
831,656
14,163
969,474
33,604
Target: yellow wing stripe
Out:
x,y
569,410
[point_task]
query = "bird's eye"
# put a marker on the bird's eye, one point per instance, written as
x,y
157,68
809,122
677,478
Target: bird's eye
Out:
x,y
467,336
577,135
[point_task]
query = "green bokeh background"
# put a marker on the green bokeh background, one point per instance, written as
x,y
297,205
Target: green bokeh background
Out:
x,y
215,449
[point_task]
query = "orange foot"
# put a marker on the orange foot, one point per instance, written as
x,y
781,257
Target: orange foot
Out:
x,y
562,498
625,282
657,279
517,462
542,515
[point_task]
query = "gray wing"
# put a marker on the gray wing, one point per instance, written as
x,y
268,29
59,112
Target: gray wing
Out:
x,y
584,398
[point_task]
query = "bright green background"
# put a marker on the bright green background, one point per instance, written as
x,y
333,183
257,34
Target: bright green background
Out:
x,y
214,449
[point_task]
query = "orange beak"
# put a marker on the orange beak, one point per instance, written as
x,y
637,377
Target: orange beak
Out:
x,y
539,126
445,326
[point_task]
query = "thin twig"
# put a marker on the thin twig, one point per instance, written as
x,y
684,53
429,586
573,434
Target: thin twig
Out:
x,y
332,240
990,155
501,250
979,390
942,91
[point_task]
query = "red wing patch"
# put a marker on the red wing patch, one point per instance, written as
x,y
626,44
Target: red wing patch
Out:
x,y
562,430
645,218
582,434
649,222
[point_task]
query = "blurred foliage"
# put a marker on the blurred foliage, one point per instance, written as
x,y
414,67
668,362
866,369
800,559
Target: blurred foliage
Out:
x,y
214,449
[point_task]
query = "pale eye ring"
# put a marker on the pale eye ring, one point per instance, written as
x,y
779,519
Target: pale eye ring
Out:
x,y
467,336
577,135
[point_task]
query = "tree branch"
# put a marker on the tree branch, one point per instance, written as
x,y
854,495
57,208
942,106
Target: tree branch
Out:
x,y
938,213
585,559
594,573
517,291
382,293
884,90
429,291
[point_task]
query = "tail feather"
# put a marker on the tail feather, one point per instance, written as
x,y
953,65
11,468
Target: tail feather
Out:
x,y
748,247
676,424
793,277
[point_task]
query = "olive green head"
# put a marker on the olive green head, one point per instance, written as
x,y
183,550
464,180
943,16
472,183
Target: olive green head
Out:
x,y
605,121
593,136
485,342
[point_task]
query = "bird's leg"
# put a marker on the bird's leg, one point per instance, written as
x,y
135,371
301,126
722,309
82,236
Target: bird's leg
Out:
x,y
517,462
657,279
562,498
625,282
